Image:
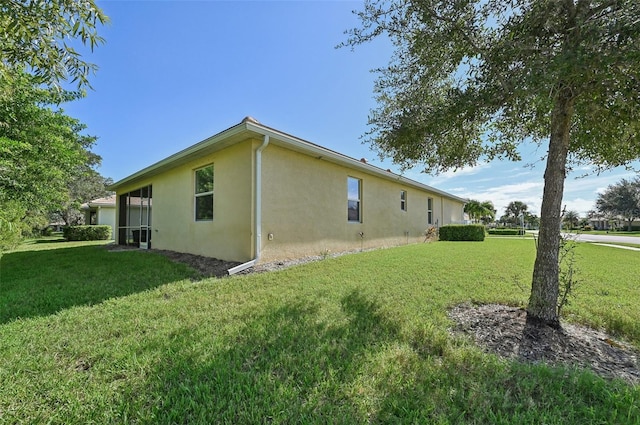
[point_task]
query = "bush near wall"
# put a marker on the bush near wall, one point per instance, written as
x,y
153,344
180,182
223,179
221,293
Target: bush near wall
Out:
x,y
87,233
506,232
469,232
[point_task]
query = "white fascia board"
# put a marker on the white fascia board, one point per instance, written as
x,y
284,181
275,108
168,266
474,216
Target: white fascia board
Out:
x,y
183,155
338,158
287,140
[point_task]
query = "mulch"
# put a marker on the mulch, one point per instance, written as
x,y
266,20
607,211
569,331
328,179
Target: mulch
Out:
x,y
504,331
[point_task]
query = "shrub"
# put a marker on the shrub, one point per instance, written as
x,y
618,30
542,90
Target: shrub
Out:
x,y
506,232
471,232
87,233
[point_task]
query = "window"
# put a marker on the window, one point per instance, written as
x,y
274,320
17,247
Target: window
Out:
x,y
403,200
204,193
429,210
354,189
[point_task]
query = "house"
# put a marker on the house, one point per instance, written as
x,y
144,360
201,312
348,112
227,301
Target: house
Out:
x,y
101,211
612,223
253,194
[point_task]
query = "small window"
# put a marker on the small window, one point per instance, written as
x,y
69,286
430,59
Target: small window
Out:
x,y
429,210
204,194
403,200
354,189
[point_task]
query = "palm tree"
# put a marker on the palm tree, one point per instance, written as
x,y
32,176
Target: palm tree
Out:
x,y
480,211
488,212
571,219
513,211
473,208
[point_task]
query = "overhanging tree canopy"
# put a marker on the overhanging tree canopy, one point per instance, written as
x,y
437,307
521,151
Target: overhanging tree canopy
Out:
x,y
472,79
39,34
40,147
39,144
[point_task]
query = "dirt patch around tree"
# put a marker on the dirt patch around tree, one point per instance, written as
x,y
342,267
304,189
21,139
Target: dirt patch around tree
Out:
x,y
503,330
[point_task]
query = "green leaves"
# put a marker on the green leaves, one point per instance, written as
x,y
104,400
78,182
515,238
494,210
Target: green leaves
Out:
x,y
34,36
40,148
621,200
472,79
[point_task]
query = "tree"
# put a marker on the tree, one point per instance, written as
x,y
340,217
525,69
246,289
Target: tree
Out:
x,y
531,220
513,213
571,219
38,34
84,185
621,199
40,147
488,212
480,211
471,79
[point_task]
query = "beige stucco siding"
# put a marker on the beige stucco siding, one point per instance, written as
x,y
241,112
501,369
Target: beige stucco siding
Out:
x,y
304,205
228,236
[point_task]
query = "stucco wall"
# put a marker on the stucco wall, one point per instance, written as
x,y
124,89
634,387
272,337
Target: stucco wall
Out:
x,y
107,216
228,235
305,208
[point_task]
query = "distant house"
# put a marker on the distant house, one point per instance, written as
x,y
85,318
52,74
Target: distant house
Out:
x,y
608,223
101,211
253,194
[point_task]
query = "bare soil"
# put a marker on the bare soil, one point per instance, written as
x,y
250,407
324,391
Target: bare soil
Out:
x,y
205,266
503,330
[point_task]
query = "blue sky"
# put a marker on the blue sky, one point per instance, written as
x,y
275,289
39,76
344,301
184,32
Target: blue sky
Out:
x,y
173,73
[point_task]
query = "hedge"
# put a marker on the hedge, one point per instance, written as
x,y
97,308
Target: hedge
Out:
x,y
506,232
469,232
87,233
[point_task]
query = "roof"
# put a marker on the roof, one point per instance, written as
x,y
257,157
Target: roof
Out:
x,y
250,127
109,201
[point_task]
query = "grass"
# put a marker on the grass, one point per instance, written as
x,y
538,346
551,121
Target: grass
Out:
x,y
609,232
632,245
356,339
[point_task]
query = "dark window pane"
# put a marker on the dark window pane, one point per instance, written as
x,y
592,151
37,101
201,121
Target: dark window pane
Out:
x,y
353,211
204,207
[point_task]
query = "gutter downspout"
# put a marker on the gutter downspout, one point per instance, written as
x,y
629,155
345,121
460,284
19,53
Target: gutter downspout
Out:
x,y
258,211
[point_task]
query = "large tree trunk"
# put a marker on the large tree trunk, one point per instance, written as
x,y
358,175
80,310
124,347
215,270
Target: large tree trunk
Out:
x,y
542,308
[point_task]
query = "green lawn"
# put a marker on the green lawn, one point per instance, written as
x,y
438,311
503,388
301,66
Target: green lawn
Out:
x,y
92,336
609,232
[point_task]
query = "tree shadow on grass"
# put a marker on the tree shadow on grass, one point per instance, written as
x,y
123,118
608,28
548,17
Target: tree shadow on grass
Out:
x,y
286,366
41,241
39,283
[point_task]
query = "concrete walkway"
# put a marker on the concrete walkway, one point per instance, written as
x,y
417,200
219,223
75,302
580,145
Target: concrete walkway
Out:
x,y
630,248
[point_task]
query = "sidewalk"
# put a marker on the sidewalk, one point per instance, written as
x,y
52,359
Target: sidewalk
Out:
x,y
630,248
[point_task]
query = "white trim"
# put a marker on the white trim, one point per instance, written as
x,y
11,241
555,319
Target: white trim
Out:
x,y
258,212
358,199
197,195
232,135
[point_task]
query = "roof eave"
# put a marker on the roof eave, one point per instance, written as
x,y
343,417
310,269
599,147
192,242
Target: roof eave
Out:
x,y
227,137
338,158
181,156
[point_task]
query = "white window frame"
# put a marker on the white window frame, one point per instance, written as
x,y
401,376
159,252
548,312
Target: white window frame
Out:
x,y
358,199
202,194
403,200
429,210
